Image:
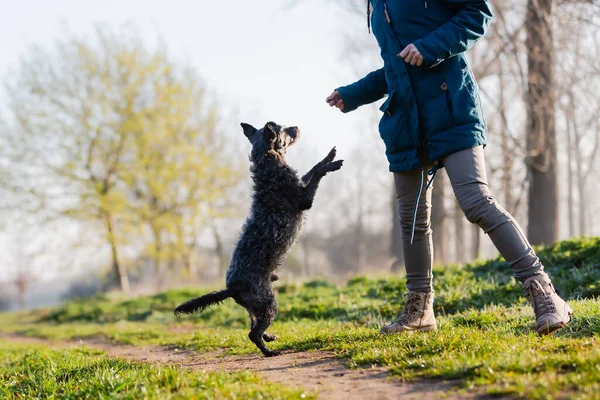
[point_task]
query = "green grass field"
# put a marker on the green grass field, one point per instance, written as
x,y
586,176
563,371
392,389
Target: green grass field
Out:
x,y
485,336
37,372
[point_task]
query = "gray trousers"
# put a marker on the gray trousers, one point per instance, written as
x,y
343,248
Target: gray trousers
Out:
x,y
466,170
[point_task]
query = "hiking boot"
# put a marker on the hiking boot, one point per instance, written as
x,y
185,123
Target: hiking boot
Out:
x,y
551,312
417,315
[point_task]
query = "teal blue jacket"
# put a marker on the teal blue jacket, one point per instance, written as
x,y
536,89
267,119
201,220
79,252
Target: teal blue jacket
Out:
x,y
432,110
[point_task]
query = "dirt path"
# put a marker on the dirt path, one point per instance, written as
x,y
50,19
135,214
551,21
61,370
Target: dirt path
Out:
x,y
315,371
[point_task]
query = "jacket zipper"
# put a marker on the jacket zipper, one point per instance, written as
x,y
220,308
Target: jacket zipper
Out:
x,y
448,98
385,11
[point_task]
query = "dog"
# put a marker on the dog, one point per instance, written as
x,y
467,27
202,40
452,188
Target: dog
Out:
x,y
279,202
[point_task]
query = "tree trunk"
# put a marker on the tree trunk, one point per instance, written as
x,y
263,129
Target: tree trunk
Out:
x,y
541,137
118,268
396,249
476,241
160,265
305,244
574,150
191,266
438,219
360,222
22,283
459,234
186,252
359,232
507,154
581,189
220,251
570,201
582,205
579,172
189,262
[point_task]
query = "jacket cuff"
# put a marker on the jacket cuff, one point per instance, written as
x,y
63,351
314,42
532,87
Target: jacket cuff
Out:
x,y
430,60
351,101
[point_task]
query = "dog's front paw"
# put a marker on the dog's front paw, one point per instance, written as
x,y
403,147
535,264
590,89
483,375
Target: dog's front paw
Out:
x,y
272,353
333,166
330,157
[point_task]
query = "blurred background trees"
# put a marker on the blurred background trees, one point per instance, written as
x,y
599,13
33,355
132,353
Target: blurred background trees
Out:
x,y
122,139
118,163
535,68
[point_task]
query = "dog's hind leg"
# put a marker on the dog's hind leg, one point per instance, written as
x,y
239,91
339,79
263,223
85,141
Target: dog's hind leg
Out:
x,y
264,314
258,335
267,337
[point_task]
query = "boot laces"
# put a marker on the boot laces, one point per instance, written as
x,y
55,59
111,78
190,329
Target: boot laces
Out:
x,y
540,297
412,307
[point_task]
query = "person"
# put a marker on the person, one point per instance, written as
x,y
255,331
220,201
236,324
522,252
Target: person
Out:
x,y
433,118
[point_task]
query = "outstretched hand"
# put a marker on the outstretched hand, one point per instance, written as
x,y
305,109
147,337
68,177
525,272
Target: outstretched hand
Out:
x,y
335,100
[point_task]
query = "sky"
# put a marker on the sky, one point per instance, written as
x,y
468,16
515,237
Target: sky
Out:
x,y
262,60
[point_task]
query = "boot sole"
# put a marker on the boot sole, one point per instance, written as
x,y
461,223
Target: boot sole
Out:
x,y
409,330
548,329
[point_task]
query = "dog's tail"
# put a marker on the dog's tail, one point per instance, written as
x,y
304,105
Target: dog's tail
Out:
x,y
201,303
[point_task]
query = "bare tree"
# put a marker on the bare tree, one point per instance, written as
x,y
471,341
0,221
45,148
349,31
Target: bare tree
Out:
x,y
109,133
396,248
514,64
459,234
579,107
66,136
439,217
541,136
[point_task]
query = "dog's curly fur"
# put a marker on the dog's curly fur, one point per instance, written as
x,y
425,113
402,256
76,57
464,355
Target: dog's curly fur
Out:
x,y
276,216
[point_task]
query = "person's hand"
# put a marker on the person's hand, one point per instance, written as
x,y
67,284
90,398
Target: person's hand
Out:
x,y
335,100
411,55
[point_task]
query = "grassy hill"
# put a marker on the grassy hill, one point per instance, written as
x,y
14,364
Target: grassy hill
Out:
x,y
485,336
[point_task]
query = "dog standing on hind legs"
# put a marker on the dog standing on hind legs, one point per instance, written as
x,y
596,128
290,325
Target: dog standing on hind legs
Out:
x,y
279,201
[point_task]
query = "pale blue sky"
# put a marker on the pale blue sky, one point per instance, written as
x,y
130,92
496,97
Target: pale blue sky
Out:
x,y
262,60
269,62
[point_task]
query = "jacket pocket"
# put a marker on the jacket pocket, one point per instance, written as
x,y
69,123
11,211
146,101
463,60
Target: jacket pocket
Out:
x,y
393,127
436,105
448,94
385,107
464,97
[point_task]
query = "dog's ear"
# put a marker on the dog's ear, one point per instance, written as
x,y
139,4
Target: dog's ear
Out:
x,y
269,132
249,130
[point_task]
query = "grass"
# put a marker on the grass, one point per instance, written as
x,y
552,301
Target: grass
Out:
x,y
484,337
36,372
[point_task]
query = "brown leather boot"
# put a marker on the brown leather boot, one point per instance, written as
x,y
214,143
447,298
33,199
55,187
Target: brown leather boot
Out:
x,y
551,312
417,314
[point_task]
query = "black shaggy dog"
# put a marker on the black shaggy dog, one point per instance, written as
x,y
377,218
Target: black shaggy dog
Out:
x,y
278,204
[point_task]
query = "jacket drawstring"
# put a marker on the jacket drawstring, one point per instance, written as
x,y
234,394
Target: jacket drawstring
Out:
x,y
431,173
369,16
